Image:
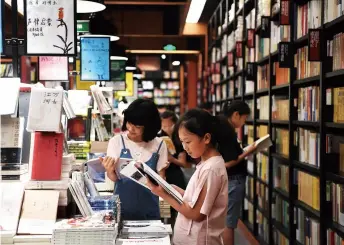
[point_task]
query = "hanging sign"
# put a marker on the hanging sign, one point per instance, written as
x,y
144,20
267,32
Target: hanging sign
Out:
x,y
265,28
52,68
50,27
95,59
314,41
285,13
83,26
251,71
285,55
250,38
118,70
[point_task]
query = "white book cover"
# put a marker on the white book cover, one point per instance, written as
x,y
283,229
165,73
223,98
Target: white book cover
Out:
x,y
261,144
151,241
12,132
9,93
38,214
45,110
137,171
11,198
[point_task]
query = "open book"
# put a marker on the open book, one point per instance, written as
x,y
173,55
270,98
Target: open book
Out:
x,y
261,144
137,171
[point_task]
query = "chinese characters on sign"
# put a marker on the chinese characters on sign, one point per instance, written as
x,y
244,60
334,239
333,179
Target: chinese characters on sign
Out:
x,y
285,12
95,59
285,56
53,68
50,27
51,98
314,45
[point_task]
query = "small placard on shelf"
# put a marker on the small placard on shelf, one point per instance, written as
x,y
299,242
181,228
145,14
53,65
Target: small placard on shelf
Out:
x,y
314,45
250,38
265,28
285,55
285,12
238,47
251,71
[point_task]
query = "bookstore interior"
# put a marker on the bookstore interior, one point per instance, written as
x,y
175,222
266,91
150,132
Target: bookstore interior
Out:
x,y
282,57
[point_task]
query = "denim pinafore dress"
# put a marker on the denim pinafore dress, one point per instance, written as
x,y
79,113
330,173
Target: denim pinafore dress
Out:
x,y
137,202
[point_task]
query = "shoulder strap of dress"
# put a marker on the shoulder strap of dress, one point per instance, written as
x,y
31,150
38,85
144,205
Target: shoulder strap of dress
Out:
x,y
123,142
160,146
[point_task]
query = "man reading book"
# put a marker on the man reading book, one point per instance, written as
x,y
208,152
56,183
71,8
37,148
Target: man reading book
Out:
x,y
236,113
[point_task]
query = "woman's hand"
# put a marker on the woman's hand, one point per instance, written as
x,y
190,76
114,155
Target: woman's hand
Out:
x,y
251,149
110,164
155,189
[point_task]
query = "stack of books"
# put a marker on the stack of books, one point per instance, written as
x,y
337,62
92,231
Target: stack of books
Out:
x,y
98,229
145,229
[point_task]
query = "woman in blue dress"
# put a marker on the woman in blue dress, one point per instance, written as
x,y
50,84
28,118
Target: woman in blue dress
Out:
x,y
138,142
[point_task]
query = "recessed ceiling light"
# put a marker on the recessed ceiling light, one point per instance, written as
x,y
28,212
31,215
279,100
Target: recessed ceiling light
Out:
x,y
130,68
176,63
163,56
112,38
84,6
118,58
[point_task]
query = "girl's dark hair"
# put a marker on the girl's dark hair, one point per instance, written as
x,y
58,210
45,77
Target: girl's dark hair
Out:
x,y
237,105
143,112
200,122
169,114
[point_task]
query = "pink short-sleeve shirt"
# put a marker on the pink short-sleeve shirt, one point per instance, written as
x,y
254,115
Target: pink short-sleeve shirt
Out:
x,y
209,231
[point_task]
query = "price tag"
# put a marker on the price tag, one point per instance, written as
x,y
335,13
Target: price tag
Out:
x,y
230,59
265,28
285,55
314,45
285,12
238,47
250,38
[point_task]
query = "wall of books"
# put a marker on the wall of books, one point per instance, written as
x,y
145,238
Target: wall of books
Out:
x,y
285,59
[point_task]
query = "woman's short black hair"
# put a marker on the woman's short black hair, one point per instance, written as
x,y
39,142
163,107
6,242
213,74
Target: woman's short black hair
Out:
x,y
169,114
143,112
206,106
237,105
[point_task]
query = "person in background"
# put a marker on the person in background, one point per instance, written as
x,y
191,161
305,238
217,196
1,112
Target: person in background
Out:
x,y
201,217
141,123
162,108
178,159
207,106
236,113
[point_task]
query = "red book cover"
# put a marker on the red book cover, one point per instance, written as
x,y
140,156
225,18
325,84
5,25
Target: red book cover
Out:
x,y
46,155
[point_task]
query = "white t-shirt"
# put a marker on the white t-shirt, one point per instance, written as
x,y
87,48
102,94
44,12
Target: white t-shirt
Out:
x,y
139,151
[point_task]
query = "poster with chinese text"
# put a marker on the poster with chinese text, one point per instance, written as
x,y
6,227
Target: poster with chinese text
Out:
x,y
95,59
50,27
53,68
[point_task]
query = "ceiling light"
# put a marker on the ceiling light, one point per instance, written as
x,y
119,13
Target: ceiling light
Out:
x,y
84,6
70,59
163,56
195,11
112,38
130,68
118,58
176,63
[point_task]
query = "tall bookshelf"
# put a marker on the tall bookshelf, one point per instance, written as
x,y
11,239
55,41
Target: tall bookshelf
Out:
x,y
294,190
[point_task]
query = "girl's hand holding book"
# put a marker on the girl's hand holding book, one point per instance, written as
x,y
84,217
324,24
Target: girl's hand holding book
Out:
x,y
109,164
155,189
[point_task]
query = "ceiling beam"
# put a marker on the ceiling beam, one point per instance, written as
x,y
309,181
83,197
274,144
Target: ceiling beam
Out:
x,y
147,3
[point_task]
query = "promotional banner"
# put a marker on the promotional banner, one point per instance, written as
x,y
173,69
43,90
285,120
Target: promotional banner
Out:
x,y
53,68
50,27
95,59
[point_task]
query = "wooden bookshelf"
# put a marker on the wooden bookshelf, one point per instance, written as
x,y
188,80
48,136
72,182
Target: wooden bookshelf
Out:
x,y
222,71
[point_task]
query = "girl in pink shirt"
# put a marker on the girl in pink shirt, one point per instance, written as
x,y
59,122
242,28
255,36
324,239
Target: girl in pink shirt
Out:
x,y
202,216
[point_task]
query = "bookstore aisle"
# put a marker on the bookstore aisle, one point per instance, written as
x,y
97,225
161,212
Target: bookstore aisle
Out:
x,y
285,59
